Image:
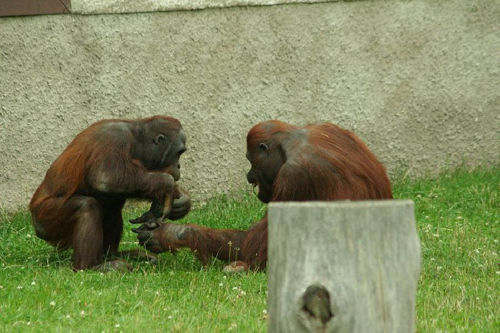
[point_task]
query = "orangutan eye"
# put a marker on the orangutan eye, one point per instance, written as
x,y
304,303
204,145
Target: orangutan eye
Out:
x,y
263,146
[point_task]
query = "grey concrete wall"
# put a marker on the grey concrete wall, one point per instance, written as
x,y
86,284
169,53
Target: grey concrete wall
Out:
x,y
142,6
417,80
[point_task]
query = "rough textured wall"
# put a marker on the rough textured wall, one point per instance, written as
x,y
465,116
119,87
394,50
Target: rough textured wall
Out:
x,y
135,6
417,80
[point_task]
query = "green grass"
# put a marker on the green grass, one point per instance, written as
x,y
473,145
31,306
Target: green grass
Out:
x,y
459,228
458,222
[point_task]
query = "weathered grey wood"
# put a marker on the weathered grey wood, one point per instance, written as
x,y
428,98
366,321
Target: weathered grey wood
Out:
x,y
360,261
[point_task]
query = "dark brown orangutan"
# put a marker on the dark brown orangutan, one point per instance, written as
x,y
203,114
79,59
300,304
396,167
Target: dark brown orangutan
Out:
x,y
79,203
289,163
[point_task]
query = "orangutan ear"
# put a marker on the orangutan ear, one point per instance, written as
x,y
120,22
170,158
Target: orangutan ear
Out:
x,y
159,138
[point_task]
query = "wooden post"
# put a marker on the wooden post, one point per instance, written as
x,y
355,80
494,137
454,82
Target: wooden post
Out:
x,y
349,266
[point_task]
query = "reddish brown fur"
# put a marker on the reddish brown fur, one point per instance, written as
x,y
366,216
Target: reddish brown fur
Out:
x,y
79,202
226,244
323,162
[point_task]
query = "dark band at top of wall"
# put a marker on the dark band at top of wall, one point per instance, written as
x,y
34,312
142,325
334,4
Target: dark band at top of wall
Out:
x,y
96,7
34,7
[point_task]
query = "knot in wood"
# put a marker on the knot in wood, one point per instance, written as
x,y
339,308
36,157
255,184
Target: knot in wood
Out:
x,y
317,303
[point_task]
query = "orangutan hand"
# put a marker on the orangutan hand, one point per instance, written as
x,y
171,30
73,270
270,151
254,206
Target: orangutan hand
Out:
x,y
181,205
148,217
161,237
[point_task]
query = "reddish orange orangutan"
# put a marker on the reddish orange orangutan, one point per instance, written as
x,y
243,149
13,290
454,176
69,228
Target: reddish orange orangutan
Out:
x,y
289,163
79,203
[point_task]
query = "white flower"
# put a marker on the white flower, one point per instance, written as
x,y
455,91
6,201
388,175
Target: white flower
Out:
x,y
264,311
52,303
170,317
33,283
82,313
117,325
439,268
19,287
221,284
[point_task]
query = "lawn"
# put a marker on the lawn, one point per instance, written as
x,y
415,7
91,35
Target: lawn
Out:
x,y
458,222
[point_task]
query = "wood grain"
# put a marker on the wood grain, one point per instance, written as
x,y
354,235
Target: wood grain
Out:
x,y
362,260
